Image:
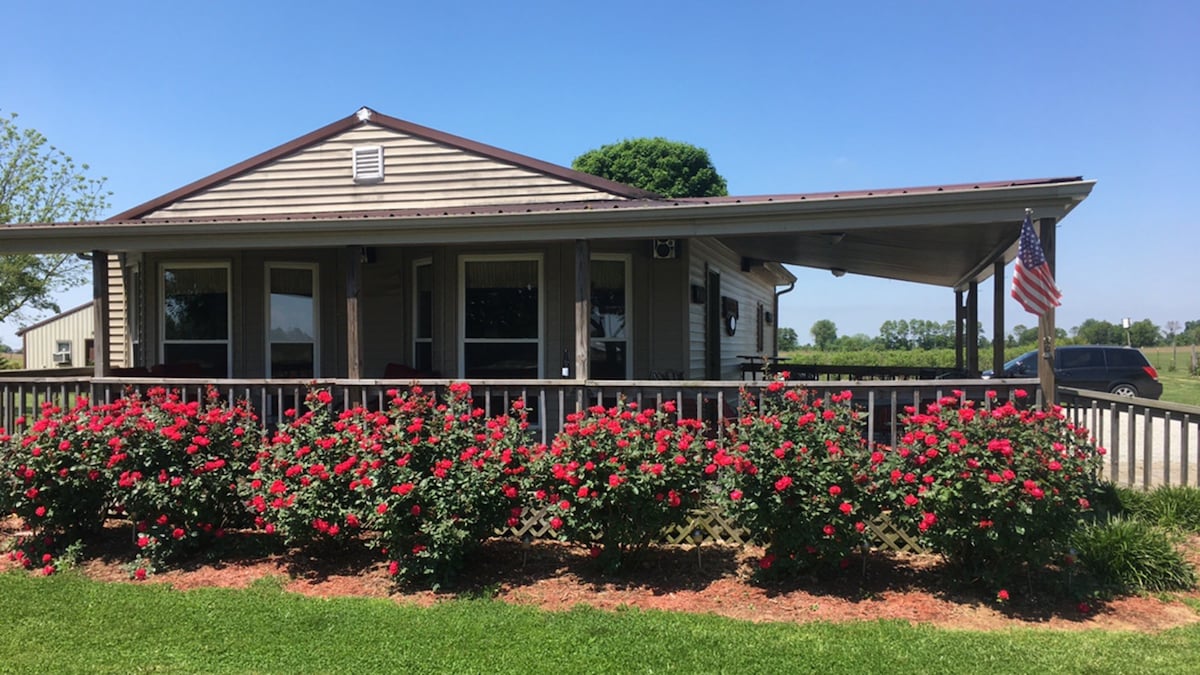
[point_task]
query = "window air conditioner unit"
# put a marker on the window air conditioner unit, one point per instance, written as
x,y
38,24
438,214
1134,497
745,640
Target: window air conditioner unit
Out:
x,y
62,358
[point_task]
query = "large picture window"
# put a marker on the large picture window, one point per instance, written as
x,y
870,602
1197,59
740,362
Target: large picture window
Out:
x,y
292,344
501,312
196,319
610,329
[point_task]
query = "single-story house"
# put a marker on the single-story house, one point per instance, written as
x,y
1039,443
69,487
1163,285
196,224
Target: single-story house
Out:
x,y
374,247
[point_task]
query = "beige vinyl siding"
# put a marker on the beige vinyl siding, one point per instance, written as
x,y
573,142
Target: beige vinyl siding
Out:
x,y
747,288
418,174
75,326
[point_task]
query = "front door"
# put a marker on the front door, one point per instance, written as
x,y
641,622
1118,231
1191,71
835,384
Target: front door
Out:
x,y
712,327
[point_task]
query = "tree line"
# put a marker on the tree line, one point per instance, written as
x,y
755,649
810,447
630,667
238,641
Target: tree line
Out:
x,y
909,334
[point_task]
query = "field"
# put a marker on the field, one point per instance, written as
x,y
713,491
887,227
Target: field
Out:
x,y
1178,385
1173,367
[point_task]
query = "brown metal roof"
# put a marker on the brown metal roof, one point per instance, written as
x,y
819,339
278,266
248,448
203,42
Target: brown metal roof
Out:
x,y
368,116
630,204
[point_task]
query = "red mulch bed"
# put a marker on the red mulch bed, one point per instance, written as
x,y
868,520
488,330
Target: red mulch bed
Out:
x,y
713,580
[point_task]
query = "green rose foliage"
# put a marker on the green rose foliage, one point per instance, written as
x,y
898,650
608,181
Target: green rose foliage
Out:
x,y
452,479
309,479
795,472
51,477
425,481
615,478
994,488
173,468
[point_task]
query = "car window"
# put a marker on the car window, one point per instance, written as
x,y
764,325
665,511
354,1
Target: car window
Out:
x,y
1022,365
1126,358
1080,358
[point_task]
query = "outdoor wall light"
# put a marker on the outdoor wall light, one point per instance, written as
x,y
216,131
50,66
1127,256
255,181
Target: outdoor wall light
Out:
x,y
838,271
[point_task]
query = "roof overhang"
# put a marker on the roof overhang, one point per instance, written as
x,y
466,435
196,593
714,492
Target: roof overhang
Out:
x,y
946,236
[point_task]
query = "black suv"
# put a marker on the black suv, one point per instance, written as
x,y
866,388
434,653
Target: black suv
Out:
x,y
1119,370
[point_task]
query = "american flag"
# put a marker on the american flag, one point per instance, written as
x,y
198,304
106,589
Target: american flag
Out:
x,y
1033,284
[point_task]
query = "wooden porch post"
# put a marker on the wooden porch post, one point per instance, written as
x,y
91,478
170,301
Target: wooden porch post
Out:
x,y
100,337
959,340
998,317
973,328
583,307
354,348
1046,330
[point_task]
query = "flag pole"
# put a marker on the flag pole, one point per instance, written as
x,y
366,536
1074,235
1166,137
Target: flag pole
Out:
x,y
1046,328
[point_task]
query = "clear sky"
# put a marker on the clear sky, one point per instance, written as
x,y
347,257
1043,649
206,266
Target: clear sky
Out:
x,y
786,97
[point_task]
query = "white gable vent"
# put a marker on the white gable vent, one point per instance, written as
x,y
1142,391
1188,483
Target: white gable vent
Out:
x,y
368,164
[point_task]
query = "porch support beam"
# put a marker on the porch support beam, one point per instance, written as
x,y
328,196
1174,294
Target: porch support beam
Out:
x,y
100,337
583,307
354,345
1046,329
959,338
973,328
998,317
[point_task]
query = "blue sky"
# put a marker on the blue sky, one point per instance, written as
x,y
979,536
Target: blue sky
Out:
x,y
786,97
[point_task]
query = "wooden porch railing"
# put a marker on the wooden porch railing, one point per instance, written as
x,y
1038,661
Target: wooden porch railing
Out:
x,y
548,401
1149,443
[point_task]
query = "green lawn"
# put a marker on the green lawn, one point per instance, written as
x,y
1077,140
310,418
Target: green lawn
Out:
x,y
1172,366
66,623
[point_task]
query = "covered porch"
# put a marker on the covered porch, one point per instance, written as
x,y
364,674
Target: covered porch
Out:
x,y
642,289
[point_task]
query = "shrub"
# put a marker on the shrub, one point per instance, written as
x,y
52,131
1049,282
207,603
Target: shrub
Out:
x,y
424,481
173,468
795,472
1176,507
615,478
51,472
1126,554
308,479
992,488
450,478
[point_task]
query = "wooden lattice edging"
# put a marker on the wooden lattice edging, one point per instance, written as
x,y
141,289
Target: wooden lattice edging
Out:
x,y
711,526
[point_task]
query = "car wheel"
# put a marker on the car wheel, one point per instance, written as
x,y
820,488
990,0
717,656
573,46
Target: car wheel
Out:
x,y
1124,389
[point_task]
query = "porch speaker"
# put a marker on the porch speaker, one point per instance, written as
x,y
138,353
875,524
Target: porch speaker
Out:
x,y
664,249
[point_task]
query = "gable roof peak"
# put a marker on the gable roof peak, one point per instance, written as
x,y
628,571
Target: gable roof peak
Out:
x,y
365,115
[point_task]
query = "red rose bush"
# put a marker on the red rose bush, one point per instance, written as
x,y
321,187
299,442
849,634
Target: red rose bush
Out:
x,y
794,471
994,488
424,481
616,477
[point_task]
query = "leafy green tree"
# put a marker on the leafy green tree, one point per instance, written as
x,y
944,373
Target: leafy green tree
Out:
x,y
669,168
787,339
1144,334
39,183
859,342
824,333
893,334
1023,335
1099,332
1191,332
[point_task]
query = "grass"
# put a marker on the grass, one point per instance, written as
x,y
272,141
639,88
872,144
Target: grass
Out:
x,y
67,623
1173,366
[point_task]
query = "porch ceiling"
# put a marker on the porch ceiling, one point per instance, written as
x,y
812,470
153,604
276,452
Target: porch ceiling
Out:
x,y
942,256
944,235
